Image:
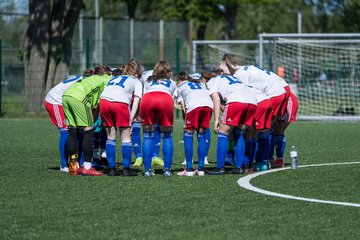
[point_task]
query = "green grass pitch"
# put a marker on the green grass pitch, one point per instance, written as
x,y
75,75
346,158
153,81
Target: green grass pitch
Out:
x,y
39,202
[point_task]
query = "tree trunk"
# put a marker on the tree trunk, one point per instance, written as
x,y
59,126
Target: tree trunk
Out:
x,y
48,47
229,22
36,51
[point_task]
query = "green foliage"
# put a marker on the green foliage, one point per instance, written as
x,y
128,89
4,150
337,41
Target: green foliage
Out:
x,y
242,19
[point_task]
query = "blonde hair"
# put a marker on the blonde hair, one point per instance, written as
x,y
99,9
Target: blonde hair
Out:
x,y
132,68
230,62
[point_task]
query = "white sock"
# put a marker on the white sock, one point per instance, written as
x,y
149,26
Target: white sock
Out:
x,y
87,165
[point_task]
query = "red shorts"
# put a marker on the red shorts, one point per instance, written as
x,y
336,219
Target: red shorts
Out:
x,y
263,115
291,109
198,118
278,104
56,114
236,113
114,114
157,107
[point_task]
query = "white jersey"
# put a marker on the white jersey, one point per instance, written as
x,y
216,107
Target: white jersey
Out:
x,y
259,95
54,96
194,95
145,75
178,99
121,89
165,85
261,79
231,89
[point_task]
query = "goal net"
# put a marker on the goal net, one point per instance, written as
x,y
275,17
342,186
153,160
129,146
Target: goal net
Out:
x,y
324,73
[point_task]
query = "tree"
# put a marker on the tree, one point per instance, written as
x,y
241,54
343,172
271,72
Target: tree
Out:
x,y
48,47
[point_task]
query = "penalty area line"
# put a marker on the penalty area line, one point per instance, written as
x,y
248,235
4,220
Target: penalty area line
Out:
x,y
245,183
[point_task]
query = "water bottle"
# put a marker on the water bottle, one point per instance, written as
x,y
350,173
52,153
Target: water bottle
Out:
x,y
294,158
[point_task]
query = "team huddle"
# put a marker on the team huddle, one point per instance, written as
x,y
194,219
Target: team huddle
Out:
x,y
251,108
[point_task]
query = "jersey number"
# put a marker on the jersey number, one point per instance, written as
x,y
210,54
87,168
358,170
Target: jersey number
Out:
x,y
232,80
120,83
193,85
166,83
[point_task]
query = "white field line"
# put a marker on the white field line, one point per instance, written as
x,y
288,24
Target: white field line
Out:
x,y
245,183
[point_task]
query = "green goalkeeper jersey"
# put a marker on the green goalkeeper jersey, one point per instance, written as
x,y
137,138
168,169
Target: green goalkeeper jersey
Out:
x,y
88,90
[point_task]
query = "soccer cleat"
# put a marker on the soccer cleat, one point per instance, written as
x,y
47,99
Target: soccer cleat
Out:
x,y
167,172
247,169
90,172
73,168
138,162
112,172
186,173
64,169
79,171
156,161
278,163
149,173
264,167
127,172
206,162
199,173
217,171
236,170
257,166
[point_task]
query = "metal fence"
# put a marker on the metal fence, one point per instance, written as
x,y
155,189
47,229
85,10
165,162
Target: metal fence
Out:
x,y
112,44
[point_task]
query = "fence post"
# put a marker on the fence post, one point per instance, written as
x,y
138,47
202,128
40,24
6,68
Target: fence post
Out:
x,y
87,49
1,79
177,60
177,55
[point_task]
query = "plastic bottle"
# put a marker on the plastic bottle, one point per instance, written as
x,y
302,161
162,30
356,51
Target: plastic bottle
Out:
x,y
294,158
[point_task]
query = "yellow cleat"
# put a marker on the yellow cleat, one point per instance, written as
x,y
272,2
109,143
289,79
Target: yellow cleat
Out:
x,y
138,162
156,161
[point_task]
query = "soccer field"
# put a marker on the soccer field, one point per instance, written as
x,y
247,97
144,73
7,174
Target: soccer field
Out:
x,y
39,202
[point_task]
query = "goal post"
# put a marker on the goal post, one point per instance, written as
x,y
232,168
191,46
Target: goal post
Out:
x,y
207,53
322,69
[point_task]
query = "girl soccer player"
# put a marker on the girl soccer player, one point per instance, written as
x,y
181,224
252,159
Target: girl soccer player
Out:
x,y
264,80
275,88
279,130
256,138
157,106
78,102
240,107
53,105
115,113
198,109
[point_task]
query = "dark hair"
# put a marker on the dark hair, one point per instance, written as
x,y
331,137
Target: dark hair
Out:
x,y
183,76
101,70
116,72
88,72
162,70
